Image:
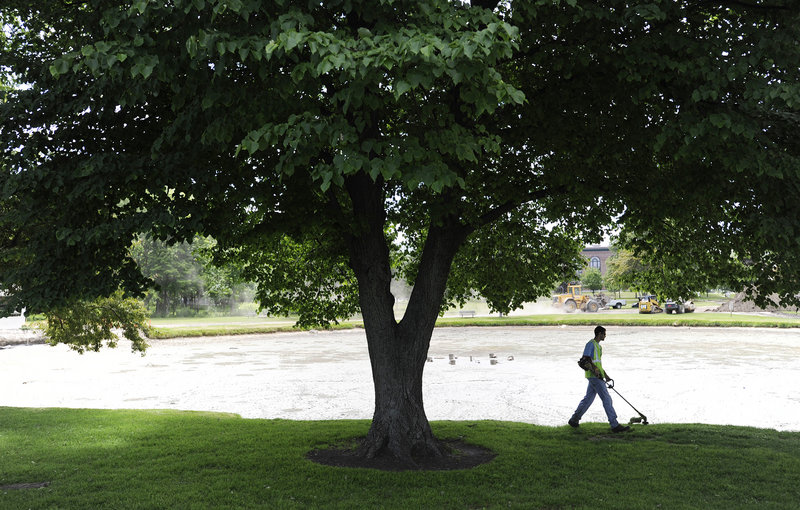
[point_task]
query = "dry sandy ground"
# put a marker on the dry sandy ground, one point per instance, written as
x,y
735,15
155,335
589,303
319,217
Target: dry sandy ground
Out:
x,y
737,376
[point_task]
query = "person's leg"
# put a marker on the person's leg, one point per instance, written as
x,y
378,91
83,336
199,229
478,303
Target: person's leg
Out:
x,y
601,389
584,405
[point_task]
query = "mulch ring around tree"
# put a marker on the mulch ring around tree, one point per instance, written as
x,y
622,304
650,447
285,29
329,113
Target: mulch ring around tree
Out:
x,y
458,455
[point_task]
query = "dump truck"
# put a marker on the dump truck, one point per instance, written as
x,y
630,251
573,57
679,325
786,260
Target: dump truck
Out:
x,y
575,300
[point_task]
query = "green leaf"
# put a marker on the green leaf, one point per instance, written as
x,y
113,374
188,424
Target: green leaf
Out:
x,y
292,40
59,67
92,64
375,167
250,145
517,96
139,5
466,153
326,183
191,46
102,46
324,66
147,70
469,49
720,120
400,88
270,48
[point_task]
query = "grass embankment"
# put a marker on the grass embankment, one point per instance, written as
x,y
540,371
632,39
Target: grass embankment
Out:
x,y
171,459
191,327
697,319
173,328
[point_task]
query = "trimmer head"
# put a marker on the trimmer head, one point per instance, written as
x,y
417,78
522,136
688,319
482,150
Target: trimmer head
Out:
x,y
638,419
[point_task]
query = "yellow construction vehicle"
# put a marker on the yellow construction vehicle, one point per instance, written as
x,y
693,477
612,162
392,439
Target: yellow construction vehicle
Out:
x,y
649,304
575,300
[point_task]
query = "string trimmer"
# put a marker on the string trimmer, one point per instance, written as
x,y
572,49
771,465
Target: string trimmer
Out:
x,y
636,419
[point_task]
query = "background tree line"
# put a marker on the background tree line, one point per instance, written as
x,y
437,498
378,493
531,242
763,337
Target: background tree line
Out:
x,y
186,282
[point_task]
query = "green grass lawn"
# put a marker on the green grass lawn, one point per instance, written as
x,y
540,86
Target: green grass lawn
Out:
x,y
170,459
697,319
193,327
188,327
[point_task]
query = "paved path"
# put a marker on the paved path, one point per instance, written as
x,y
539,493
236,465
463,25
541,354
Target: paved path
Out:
x,y
737,376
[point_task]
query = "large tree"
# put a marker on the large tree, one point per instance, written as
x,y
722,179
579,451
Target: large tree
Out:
x,y
327,146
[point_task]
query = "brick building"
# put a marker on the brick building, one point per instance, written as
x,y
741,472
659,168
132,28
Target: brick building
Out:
x,y
597,257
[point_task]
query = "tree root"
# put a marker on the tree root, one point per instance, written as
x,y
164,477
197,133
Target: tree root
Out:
x,y
455,454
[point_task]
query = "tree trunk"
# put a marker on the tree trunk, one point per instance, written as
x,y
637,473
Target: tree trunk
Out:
x,y
400,426
398,351
162,303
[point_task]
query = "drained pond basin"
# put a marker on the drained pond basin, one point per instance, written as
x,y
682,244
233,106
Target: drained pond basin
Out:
x,y
728,376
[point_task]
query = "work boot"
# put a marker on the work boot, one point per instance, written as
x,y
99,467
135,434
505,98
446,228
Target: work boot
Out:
x,y
621,428
574,424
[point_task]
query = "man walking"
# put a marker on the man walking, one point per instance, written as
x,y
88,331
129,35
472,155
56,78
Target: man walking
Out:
x,y
597,386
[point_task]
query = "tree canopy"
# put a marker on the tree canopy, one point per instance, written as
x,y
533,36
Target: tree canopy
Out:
x,y
469,148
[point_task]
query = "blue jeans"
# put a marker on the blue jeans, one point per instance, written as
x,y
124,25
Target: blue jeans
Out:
x,y
596,387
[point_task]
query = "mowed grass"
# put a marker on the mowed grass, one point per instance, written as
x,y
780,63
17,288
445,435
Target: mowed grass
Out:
x,y
191,327
171,459
695,319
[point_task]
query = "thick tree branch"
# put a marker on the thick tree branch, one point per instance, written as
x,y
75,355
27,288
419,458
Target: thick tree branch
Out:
x,y
441,245
369,250
334,208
